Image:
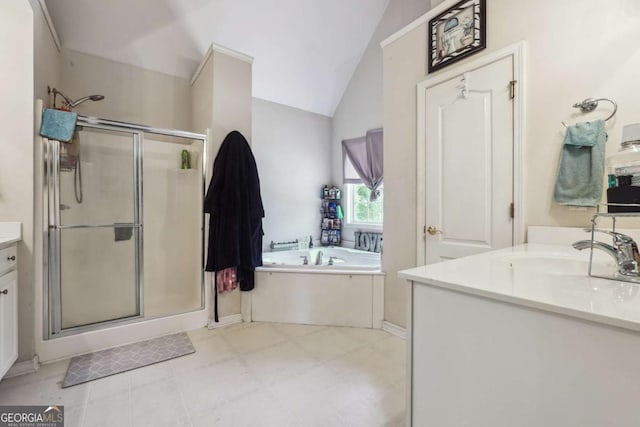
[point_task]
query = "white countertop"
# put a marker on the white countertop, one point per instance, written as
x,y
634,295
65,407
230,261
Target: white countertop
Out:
x,y
10,233
548,277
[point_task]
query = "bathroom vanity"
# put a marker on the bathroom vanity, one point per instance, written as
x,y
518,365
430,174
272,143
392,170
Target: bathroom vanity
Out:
x,y
523,337
9,236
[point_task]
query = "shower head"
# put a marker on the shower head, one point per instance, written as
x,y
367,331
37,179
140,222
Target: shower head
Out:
x,y
85,99
72,104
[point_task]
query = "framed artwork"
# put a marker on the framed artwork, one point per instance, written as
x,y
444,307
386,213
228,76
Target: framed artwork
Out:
x,y
456,33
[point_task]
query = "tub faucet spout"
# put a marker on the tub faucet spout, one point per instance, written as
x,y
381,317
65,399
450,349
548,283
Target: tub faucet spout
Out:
x,y
319,258
624,251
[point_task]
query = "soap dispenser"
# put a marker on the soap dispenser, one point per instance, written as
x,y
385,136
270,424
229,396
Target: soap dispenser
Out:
x,y
624,172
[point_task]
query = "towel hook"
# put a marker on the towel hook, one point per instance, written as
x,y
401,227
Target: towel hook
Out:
x,y
590,104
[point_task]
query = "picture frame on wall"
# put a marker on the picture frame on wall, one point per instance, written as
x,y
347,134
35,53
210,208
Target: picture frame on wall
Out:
x,y
456,33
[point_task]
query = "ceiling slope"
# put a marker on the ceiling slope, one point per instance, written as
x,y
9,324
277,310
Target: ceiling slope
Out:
x,y
305,51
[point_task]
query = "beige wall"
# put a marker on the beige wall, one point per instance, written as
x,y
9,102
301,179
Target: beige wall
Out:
x,y
575,49
16,151
48,70
231,97
221,100
47,73
401,72
132,94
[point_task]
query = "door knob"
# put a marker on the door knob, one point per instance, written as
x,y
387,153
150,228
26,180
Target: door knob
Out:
x,y
11,258
433,231
4,291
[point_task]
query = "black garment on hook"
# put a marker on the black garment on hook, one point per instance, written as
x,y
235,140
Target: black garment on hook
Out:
x,y
235,210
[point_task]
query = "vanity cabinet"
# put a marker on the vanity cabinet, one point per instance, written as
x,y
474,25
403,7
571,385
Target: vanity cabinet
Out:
x,y
8,308
522,337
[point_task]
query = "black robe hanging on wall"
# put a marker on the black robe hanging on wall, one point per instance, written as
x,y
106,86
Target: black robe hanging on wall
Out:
x,y
235,211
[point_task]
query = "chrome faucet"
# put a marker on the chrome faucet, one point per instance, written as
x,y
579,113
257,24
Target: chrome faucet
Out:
x,y
624,251
319,258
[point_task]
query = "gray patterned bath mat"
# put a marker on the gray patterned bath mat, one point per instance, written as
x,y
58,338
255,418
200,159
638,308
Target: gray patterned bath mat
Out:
x,y
113,361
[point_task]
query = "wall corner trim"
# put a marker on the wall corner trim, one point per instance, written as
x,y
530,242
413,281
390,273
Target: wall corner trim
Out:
x,y
225,321
52,28
419,21
203,62
220,49
394,329
233,53
24,367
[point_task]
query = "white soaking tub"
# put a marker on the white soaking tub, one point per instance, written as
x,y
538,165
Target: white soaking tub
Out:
x,y
341,258
348,293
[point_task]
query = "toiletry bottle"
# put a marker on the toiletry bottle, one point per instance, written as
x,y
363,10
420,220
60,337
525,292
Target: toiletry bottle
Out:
x,y
185,157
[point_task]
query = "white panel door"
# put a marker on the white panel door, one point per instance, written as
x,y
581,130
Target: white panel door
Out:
x,y
469,163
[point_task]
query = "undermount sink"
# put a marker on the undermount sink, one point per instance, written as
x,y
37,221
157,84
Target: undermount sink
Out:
x,y
559,265
551,266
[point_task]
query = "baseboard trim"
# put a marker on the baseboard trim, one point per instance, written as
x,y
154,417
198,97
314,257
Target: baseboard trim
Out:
x,y
394,329
224,321
22,368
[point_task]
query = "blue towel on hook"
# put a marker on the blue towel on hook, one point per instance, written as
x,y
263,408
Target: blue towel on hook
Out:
x,y
58,124
580,174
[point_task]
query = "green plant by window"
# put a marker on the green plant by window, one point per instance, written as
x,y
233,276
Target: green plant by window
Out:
x,y
361,210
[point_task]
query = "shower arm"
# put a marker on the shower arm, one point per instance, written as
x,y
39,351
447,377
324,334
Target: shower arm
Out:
x,y
56,92
69,103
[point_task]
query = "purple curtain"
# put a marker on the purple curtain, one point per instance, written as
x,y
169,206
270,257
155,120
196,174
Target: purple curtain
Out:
x,y
365,154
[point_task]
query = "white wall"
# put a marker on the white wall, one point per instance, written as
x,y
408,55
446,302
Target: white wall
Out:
x,y
16,151
361,106
575,49
292,149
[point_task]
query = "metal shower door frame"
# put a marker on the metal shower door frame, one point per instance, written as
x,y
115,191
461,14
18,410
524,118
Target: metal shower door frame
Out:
x,y
52,273
51,208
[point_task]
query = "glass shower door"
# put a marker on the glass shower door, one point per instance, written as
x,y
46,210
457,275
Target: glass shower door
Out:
x,y
95,228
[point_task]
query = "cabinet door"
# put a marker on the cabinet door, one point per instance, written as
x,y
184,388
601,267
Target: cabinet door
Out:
x,y
8,321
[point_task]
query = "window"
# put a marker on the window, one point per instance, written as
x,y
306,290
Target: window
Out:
x,y
361,170
359,209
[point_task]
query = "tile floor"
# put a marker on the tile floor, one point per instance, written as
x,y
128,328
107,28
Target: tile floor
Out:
x,y
250,374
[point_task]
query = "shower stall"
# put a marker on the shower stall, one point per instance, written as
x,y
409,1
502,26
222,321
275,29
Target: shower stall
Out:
x,y
123,226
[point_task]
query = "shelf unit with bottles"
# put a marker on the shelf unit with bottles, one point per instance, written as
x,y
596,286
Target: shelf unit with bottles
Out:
x,y
331,225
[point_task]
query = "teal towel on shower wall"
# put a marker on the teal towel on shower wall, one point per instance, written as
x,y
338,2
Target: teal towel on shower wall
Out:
x,y
581,170
58,124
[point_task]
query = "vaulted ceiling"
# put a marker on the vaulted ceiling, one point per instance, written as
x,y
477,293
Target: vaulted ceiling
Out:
x,y
305,51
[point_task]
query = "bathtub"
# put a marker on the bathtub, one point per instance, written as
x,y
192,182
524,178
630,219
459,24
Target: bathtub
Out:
x,y
341,258
348,293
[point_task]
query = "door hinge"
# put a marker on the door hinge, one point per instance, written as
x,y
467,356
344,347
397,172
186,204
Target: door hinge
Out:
x,y
424,230
512,89
512,210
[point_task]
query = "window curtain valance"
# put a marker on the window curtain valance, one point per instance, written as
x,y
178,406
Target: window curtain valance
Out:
x,y
365,159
